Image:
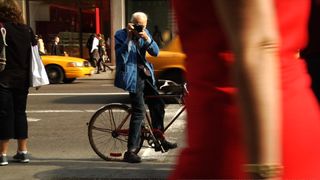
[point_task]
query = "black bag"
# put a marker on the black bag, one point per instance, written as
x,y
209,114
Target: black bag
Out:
x,y
2,47
90,42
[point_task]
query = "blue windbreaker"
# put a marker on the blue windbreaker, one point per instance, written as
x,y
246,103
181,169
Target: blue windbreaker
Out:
x,y
126,59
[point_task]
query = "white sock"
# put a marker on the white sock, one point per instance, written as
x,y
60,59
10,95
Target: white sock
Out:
x,y
22,152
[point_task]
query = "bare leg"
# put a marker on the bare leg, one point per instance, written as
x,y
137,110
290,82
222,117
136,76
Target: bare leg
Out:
x,y
22,144
4,144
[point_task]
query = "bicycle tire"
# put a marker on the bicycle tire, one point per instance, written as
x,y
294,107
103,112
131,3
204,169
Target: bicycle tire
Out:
x,y
108,131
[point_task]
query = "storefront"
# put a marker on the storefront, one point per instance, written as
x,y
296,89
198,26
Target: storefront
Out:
x,y
75,20
72,21
160,17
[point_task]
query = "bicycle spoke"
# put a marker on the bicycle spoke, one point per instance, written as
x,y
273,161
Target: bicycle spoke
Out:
x,y
108,131
101,129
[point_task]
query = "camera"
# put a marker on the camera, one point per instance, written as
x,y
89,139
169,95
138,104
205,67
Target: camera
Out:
x,y
138,28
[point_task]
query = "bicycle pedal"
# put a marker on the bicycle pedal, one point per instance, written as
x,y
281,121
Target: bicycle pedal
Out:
x,y
160,148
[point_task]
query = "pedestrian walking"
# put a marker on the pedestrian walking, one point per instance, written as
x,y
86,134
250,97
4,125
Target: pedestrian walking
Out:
x,y
41,44
89,47
56,47
95,51
103,56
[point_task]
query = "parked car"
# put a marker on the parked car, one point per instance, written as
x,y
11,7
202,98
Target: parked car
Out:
x,y
66,69
170,63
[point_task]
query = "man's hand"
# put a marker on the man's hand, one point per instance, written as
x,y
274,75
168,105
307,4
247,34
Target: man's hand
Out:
x,y
143,35
130,30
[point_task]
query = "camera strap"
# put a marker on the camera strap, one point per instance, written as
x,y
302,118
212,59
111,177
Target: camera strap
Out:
x,y
141,62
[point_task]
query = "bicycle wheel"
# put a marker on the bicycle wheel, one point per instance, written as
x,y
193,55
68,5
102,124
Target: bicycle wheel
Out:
x,y
108,131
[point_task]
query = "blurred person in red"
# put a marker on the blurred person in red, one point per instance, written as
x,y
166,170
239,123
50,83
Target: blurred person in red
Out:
x,y
269,126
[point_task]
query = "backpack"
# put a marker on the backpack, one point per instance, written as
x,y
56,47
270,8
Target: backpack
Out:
x,y
3,45
90,42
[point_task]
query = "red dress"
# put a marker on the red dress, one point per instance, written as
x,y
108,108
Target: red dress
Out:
x,y
215,134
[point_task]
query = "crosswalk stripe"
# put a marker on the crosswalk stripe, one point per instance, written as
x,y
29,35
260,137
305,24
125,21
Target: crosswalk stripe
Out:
x,y
29,119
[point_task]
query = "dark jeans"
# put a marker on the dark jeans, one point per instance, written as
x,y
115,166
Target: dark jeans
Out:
x,y
13,118
100,65
91,59
155,105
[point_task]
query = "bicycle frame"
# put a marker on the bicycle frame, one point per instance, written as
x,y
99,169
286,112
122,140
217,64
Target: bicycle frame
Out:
x,y
125,132
110,123
175,117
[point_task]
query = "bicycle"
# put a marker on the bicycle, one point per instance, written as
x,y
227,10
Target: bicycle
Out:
x,y
108,128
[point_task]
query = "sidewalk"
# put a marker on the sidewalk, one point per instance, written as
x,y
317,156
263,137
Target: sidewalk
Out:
x,y
109,75
61,163
67,169
81,163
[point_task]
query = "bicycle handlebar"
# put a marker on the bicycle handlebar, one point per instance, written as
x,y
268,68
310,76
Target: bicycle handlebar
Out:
x,y
172,88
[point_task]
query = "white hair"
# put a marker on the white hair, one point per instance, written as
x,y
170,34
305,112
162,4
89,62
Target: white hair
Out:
x,y
139,14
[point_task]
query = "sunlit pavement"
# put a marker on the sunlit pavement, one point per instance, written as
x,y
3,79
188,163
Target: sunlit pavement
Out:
x,y
102,75
64,155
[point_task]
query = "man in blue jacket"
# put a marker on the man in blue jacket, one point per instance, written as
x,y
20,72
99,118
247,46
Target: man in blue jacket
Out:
x,y
135,74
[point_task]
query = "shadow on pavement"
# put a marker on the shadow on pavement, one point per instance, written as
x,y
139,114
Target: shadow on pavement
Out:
x,y
93,99
90,169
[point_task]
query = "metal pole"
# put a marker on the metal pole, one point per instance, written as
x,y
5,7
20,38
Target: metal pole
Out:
x,y
80,29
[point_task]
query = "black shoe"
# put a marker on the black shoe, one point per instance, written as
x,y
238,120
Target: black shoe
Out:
x,y
166,146
21,157
131,157
3,160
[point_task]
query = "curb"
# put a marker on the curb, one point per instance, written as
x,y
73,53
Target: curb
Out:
x,y
108,75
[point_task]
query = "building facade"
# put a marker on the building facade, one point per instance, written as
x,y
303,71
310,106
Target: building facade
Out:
x,y
75,20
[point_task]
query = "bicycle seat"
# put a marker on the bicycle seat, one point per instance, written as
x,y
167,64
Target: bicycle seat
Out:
x,y
170,87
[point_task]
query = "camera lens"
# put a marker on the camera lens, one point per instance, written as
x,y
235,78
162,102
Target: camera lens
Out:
x,y
138,28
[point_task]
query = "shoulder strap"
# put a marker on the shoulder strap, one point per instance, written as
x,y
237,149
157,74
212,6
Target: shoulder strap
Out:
x,y
3,33
3,44
33,40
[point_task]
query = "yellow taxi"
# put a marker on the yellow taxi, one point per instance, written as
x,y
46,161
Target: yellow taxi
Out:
x,y
170,63
66,69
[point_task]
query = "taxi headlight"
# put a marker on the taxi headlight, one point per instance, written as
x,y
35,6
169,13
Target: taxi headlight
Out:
x,y
75,64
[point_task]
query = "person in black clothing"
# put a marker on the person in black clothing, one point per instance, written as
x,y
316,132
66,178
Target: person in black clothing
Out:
x,y
89,46
311,53
102,53
57,48
157,36
14,81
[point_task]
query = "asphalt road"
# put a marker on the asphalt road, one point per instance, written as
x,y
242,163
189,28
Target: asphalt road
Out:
x,y
58,141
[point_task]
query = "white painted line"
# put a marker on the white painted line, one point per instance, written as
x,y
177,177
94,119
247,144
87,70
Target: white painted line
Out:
x,y
55,111
76,94
150,153
32,119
